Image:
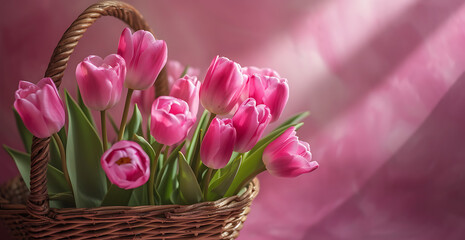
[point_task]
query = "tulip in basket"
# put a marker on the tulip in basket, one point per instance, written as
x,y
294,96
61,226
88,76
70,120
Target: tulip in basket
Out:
x,y
169,172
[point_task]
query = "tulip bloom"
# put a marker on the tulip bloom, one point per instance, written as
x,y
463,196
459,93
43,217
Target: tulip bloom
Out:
x,y
218,143
187,89
287,156
271,91
145,57
101,80
249,71
40,107
250,122
126,165
222,86
175,69
144,100
171,120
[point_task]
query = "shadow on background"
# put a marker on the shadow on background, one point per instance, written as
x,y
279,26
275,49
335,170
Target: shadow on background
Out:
x,y
419,192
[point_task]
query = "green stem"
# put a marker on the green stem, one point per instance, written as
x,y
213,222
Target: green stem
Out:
x,y
163,168
153,169
61,148
125,114
103,121
208,177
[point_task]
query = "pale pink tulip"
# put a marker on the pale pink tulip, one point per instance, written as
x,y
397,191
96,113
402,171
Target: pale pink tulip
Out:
x,y
144,100
171,120
250,121
40,107
145,57
187,89
101,80
175,69
126,165
218,143
222,86
271,91
287,156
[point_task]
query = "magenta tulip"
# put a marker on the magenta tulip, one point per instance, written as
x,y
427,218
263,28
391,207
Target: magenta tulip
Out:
x,y
187,89
218,143
271,91
222,86
249,71
250,121
287,156
40,107
145,57
175,69
144,100
171,120
101,80
126,165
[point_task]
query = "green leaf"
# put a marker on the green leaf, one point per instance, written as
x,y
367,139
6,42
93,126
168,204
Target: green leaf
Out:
x,y
195,137
113,123
226,175
253,164
139,196
134,124
62,200
188,186
23,163
84,108
55,159
26,136
117,196
62,135
84,150
56,181
294,119
145,146
166,180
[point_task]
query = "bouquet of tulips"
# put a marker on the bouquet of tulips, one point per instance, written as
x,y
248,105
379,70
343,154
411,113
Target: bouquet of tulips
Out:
x,y
158,156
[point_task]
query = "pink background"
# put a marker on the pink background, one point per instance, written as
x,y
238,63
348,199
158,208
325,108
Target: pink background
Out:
x,y
384,81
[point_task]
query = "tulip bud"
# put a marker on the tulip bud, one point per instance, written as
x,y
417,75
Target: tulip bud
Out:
x,y
40,107
171,120
175,69
126,165
145,57
222,86
287,156
271,91
101,80
250,121
187,89
249,71
218,143
144,100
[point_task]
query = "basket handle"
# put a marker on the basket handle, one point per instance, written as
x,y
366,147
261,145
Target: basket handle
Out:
x,y
37,204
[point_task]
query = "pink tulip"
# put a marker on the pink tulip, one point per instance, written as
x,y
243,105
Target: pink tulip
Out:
x,y
271,91
249,71
175,69
287,156
101,80
145,57
171,120
187,89
222,86
40,107
144,100
250,122
126,165
218,143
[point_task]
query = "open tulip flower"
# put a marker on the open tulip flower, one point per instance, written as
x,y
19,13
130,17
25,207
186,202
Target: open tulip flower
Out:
x,y
126,165
40,107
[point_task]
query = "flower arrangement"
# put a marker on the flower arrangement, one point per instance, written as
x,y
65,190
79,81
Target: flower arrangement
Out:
x,y
161,165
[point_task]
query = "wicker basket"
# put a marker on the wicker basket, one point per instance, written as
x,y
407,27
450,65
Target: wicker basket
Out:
x,y
28,215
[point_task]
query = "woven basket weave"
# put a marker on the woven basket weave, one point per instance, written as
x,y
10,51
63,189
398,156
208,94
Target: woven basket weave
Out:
x,y
28,215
